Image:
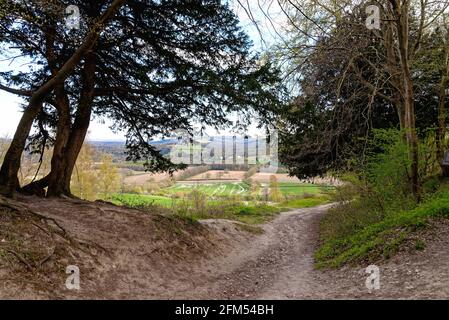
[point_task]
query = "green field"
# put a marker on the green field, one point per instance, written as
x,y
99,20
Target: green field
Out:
x,y
219,201
296,189
213,189
242,189
142,200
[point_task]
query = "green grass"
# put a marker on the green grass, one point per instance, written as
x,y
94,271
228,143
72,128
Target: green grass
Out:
x,y
307,202
251,214
382,239
220,203
242,189
140,200
296,189
213,189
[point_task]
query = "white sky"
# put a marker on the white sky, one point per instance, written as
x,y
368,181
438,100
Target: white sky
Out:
x,y
10,111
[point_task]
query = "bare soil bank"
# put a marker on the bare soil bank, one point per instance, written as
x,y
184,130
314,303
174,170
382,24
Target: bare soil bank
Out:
x,y
130,254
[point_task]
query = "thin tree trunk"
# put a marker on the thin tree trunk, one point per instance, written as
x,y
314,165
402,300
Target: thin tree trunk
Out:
x,y
441,133
402,10
392,67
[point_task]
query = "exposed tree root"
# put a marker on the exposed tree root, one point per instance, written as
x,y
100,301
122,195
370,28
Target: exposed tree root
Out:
x,y
21,259
57,229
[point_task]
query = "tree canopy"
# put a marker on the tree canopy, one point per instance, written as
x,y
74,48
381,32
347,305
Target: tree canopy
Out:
x,y
156,66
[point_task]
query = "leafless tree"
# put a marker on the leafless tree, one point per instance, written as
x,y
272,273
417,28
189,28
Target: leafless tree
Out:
x,y
389,52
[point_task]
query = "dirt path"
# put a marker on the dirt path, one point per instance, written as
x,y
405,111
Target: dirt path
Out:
x,y
279,265
127,254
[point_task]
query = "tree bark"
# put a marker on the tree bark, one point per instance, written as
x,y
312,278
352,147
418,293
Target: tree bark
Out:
x,y
9,181
79,130
8,173
441,132
62,133
392,67
402,22
69,139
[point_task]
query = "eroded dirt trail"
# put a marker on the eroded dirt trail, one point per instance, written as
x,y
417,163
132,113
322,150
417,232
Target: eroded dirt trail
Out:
x,y
276,265
279,265
129,254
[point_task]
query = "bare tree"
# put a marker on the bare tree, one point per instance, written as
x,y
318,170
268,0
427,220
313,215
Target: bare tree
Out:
x,y
389,52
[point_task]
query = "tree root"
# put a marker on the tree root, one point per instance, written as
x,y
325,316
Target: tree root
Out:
x,y
21,209
61,231
21,259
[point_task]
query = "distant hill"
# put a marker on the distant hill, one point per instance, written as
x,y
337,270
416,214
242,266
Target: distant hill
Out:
x,y
118,151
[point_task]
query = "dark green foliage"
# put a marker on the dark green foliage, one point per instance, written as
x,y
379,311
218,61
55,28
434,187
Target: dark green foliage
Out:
x,y
160,66
331,121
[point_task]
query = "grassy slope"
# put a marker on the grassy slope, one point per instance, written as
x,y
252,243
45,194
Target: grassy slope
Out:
x,y
299,188
247,212
382,239
306,202
140,200
250,213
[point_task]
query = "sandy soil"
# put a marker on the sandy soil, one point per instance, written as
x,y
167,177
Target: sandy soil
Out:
x,y
128,254
283,177
141,178
279,265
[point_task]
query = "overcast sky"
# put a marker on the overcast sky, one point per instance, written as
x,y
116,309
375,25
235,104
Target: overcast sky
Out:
x,y
10,104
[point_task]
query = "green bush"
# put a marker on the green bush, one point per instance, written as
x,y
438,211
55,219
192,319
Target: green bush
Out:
x,y
377,211
383,238
387,172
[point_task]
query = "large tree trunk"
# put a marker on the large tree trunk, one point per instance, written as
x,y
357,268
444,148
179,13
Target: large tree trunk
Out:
x,y
8,173
9,181
76,142
79,129
69,139
62,135
60,147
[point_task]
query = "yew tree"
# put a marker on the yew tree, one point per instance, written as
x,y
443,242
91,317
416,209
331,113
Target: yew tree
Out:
x,y
155,67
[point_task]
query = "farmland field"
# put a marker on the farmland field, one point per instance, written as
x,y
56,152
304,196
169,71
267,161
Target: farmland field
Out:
x,y
299,188
136,200
242,189
220,175
211,189
167,197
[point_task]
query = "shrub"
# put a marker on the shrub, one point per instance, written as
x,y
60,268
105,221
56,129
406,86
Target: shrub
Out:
x,y
275,192
191,172
387,172
252,171
198,199
377,211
